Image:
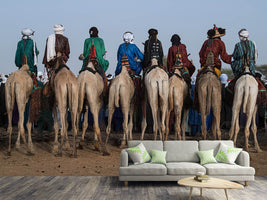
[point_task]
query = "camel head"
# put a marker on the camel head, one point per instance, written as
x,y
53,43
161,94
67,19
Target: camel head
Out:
x,y
154,61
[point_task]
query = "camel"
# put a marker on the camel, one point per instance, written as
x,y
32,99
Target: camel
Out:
x,y
157,87
121,92
209,95
91,85
65,87
246,91
178,90
18,88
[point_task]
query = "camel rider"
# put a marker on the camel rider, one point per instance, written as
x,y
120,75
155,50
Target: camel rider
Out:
x,y
132,52
212,48
26,46
177,55
152,49
56,43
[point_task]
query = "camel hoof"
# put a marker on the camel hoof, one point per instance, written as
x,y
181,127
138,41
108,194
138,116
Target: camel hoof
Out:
x,y
81,144
55,149
8,153
17,145
31,149
96,145
67,146
258,150
29,153
106,153
123,145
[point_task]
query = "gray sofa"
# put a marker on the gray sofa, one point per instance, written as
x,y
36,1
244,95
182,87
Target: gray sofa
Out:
x,y
183,161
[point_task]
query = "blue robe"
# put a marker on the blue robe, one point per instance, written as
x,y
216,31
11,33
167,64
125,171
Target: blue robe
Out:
x,y
131,52
236,65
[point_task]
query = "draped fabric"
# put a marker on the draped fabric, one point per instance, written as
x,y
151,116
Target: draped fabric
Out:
x,y
100,51
239,51
131,51
149,44
26,47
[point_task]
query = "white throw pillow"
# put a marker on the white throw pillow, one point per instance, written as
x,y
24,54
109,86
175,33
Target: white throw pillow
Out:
x,y
138,154
227,154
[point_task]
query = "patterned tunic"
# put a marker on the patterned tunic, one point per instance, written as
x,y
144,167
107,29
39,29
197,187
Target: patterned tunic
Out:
x,y
240,48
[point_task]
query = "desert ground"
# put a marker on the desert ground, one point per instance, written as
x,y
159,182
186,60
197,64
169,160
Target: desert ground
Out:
x,y
89,161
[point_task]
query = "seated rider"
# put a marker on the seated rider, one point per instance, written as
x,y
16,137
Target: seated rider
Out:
x,y
153,49
215,47
132,52
177,55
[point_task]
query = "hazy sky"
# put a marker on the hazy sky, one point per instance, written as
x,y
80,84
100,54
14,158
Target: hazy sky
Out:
x,y
190,19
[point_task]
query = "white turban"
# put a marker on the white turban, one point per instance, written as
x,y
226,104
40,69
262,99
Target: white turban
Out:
x,y
59,29
128,37
27,33
3,78
224,78
243,34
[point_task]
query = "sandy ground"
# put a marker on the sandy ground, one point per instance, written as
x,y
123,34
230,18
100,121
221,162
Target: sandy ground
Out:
x,y
89,161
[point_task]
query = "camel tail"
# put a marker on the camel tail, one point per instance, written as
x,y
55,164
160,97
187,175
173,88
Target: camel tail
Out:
x,y
81,95
117,96
209,95
171,94
69,94
245,100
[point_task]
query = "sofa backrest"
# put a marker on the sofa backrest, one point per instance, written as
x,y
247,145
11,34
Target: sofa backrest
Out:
x,y
205,145
149,144
181,151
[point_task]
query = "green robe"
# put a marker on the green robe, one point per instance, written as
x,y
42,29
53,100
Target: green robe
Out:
x,y
26,47
100,51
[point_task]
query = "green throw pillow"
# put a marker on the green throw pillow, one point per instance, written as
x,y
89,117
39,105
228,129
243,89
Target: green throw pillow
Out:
x,y
206,157
158,156
138,154
227,154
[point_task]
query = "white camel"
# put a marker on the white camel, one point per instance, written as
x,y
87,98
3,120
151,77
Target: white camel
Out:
x,y
178,90
246,91
157,88
18,88
66,97
91,87
121,93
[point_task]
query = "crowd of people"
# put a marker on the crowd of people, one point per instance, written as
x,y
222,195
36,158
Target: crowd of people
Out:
x,y
212,52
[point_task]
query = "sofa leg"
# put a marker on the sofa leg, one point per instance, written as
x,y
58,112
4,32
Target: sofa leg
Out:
x,y
246,183
126,183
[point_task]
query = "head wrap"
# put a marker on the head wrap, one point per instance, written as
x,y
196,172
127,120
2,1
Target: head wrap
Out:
x,y
176,40
59,29
243,34
27,33
128,37
216,32
93,31
152,31
3,77
223,78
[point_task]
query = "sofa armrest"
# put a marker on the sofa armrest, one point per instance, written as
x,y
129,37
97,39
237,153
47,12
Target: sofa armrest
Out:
x,y
124,158
243,159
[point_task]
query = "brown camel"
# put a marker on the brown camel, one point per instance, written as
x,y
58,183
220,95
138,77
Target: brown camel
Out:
x,y
209,96
65,87
246,91
178,90
121,93
157,88
18,88
91,87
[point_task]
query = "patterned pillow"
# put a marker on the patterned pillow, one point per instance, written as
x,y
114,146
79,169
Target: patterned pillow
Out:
x,y
206,157
227,154
138,154
158,156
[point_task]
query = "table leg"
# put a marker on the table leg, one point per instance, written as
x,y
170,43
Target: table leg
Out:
x,y
225,190
191,190
201,192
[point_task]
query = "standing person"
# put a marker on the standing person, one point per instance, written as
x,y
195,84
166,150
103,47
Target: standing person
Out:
x,y
26,46
56,43
132,52
177,55
152,49
216,46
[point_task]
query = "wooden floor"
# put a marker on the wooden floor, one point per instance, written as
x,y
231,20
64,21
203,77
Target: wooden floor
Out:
x,y
97,187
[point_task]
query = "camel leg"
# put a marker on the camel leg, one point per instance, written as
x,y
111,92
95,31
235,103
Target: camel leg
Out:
x,y
130,125
249,114
74,128
167,124
254,130
111,110
21,109
185,113
144,124
9,129
125,111
56,128
66,143
164,108
216,123
30,144
154,110
177,114
85,124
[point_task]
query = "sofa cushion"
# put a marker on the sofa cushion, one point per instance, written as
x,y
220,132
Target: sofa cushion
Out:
x,y
138,154
227,154
149,144
213,144
218,169
145,169
158,156
184,168
206,157
181,151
